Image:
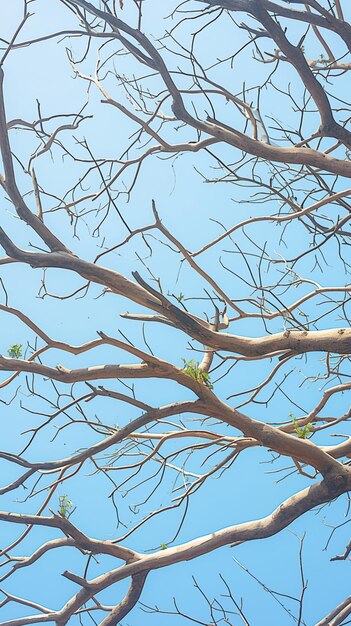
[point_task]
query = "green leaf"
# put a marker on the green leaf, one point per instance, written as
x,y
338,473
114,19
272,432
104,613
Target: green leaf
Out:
x,y
15,351
65,506
192,368
301,431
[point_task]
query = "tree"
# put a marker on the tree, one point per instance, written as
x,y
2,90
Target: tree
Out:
x,y
234,352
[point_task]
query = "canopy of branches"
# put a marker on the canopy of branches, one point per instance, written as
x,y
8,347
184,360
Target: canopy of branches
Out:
x,y
175,306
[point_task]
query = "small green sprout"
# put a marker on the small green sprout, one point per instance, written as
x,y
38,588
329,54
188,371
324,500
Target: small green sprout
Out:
x,y
15,351
65,506
192,368
181,297
163,546
302,431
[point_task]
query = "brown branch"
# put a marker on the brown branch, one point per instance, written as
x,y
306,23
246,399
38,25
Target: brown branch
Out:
x,y
11,188
128,602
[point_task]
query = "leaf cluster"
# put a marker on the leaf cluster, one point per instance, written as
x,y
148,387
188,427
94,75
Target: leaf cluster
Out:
x,y
192,368
302,431
65,506
15,351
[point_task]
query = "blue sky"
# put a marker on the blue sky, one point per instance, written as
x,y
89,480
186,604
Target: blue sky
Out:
x,y
186,203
